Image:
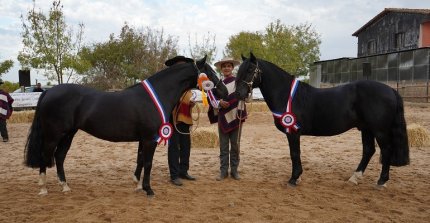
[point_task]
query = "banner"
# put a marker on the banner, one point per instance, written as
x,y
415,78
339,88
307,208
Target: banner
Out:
x,y
24,100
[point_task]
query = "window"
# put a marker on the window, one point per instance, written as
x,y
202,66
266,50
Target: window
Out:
x,y
399,39
371,47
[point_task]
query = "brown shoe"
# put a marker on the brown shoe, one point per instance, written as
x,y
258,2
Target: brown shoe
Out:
x,y
235,175
221,177
187,177
176,182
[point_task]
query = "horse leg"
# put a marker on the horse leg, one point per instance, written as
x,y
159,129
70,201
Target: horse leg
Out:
x,y
139,167
60,155
294,142
368,140
49,146
148,155
384,143
42,181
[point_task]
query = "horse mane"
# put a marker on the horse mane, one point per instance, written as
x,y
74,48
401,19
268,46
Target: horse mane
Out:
x,y
158,73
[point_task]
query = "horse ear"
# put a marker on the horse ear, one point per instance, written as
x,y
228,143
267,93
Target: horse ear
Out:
x,y
243,57
201,62
253,58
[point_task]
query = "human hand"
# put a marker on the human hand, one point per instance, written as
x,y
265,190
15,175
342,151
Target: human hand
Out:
x,y
224,104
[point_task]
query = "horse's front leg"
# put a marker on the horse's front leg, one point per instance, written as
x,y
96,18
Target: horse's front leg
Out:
x,y
148,155
294,142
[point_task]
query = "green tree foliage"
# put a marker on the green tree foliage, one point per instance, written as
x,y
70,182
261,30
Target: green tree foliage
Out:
x,y
9,86
119,62
5,66
293,48
206,47
49,43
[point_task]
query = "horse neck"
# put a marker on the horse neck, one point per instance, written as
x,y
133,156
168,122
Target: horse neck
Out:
x,y
275,86
171,85
220,88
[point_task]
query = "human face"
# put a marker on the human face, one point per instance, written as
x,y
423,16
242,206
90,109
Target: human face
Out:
x,y
227,69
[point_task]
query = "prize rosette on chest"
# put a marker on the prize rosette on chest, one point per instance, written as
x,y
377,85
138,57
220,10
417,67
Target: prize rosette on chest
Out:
x,y
165,131
288,120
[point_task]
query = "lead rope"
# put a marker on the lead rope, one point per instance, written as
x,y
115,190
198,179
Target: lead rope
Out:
x,y
197,119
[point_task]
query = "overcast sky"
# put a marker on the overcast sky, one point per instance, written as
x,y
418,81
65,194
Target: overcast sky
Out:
x,y
334,20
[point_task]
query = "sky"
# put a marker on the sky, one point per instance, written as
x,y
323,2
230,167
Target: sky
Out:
x,y
333,20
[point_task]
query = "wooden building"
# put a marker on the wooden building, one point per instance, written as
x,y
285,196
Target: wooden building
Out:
x,y
392,30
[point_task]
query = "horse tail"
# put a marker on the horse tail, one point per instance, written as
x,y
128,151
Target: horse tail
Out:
x,y
33,153
400,146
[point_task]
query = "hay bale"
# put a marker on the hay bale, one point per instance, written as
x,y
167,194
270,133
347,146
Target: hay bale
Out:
x,y
418,135
205,137
21,117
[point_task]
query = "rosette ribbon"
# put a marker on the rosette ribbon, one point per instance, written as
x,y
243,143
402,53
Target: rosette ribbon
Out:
x,y
166,130
288,119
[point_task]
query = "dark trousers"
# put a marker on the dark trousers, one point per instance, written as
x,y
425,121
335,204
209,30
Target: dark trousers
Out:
x,y
178,153
3,129
229,150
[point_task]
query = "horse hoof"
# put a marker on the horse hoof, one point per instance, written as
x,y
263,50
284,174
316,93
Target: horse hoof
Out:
x,y
353,180
138,189
381,186
43,192
292,184
150,196
298,180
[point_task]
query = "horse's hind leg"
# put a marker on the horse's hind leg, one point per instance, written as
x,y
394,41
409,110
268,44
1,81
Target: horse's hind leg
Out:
x,y
42,181
384,143
368,140
60,155
139,167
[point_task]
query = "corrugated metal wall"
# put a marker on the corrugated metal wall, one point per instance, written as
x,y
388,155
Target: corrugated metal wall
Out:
x,y
407,71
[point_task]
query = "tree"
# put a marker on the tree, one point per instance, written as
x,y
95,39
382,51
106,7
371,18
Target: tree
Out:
x,y
293,48
206,47
49,43
5,66
119,62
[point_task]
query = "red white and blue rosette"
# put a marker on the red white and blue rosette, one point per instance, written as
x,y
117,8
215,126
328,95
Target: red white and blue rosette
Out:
x,y
288,120
166,130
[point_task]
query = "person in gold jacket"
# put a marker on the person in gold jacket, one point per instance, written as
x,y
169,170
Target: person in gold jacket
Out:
x,y
180,143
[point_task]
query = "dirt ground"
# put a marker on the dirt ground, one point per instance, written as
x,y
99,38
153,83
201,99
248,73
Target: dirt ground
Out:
x,y
99,174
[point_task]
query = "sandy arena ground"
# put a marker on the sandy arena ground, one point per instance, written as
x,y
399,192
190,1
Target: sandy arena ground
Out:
x,y
99,174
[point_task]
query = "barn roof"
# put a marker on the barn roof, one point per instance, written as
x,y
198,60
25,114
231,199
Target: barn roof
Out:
x,y
388,10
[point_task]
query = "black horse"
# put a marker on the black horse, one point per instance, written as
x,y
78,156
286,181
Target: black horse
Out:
x,y
372,107
220,91
124,116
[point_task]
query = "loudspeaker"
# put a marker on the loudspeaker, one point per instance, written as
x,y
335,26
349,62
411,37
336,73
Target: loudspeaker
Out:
x,y
24,78
367,70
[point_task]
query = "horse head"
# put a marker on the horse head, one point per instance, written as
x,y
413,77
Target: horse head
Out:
x,y
220,89
248,77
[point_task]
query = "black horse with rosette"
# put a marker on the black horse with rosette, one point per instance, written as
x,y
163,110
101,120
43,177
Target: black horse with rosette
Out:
x,y
124,116
300,109
220,91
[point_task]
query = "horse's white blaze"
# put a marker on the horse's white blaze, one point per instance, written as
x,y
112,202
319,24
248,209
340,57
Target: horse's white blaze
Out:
x,y
356,177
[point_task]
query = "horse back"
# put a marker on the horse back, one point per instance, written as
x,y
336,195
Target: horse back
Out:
x,y
361,104
113,116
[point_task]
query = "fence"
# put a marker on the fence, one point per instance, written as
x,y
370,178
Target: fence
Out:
x,y
406,71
